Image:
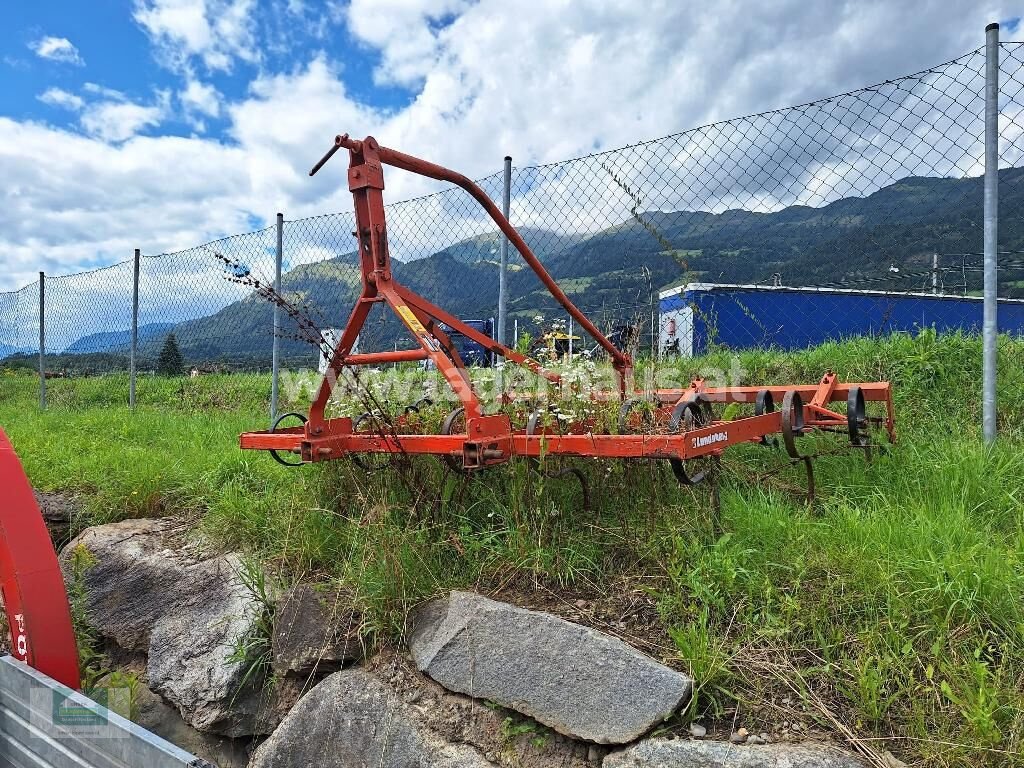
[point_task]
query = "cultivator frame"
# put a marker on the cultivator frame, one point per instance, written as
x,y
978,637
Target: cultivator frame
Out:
x,y
677,425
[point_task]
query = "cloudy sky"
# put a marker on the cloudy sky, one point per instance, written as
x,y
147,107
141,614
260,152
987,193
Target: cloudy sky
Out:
x,y
161,124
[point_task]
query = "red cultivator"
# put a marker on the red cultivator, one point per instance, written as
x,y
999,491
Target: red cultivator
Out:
x,y
677,425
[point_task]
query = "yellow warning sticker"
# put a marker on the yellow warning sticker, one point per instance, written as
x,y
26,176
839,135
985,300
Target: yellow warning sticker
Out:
x,y
411,320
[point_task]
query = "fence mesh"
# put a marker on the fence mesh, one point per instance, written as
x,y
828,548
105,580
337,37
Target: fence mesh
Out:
x,y
859,214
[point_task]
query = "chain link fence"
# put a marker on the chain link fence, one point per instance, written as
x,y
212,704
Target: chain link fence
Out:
x,y
859,214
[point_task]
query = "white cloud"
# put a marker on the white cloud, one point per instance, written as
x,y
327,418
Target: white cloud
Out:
x,y
120,120
201,98
214,31
57,97
57,49
406,31
107,93
543,82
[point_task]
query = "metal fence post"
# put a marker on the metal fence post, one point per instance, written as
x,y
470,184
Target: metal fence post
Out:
x,y
506,202
134,356
275,361
42,341
990,327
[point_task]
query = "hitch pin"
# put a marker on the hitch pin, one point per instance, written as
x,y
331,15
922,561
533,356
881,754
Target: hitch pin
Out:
x,y
339,141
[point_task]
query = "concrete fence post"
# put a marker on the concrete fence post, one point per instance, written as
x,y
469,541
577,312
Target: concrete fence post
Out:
x,y
990,325
42,341
134,354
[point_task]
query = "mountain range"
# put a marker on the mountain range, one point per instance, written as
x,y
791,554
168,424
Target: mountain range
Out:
x,y
614,274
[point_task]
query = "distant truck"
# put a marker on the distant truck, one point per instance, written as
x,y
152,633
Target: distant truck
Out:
x,y
471,352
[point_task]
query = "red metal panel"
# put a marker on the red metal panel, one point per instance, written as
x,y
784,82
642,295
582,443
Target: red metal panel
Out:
x,y
30,578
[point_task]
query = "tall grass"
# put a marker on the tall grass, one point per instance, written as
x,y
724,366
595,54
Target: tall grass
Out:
x,y
893,603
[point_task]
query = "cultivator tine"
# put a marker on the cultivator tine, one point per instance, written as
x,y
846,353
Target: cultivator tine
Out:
x,y
578,474
765,403
809,469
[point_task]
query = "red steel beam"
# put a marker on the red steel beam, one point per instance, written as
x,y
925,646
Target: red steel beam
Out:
x,y
621,361
380,358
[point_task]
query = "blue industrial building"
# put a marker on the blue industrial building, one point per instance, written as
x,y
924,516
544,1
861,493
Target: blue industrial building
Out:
x,y
697,316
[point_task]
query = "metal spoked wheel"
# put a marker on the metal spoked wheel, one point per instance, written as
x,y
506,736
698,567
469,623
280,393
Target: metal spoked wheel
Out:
x,y
454,424
370,462
690,414
277,423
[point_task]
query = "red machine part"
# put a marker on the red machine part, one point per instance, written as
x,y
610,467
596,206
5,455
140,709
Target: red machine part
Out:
x,y
35,601
484,440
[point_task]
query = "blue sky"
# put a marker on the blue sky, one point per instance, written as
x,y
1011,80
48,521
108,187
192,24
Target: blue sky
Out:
x,y
111,49
161,124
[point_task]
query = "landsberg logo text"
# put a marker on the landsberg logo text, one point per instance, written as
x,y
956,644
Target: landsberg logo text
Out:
x,y
714,437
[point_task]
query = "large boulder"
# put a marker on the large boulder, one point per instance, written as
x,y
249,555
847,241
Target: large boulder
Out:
x,y
315,631
576,680
130,576
353,720
148,590
679,753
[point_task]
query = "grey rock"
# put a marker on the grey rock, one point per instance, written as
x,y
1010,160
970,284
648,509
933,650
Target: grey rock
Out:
x,y
353,720
146,591
698,731
189,650
505,739
737,738
755,739
165,721
576,680
315,631
129,575
59,511
662,753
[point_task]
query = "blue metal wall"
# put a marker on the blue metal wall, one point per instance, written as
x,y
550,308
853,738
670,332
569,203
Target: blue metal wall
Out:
x,y
745,317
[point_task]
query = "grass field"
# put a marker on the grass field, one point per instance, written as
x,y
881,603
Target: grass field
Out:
x,y
891,609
